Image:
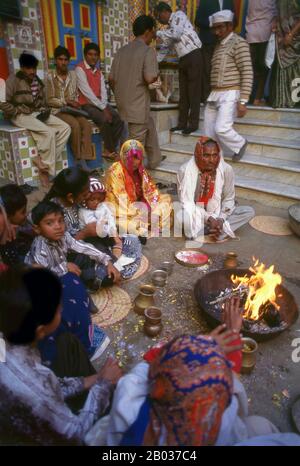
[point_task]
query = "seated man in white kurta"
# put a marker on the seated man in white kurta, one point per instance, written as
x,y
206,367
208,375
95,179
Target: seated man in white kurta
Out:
x,y
207,195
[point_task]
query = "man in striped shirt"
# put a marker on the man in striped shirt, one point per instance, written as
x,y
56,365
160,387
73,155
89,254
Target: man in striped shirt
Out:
x,y
231,83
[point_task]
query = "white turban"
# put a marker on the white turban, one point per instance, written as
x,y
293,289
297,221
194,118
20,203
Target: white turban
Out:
x,y
223,16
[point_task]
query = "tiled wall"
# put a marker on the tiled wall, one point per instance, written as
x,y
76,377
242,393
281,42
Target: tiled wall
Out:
x,y
116,28
26,35
17,150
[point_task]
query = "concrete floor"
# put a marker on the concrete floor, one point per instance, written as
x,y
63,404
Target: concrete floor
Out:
x,y
275,381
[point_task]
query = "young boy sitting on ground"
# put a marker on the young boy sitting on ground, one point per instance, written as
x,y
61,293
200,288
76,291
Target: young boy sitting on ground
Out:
x,y
14,202
126,248
51,246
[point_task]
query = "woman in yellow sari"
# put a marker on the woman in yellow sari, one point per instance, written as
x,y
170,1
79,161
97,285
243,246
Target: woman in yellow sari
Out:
x,y
131,192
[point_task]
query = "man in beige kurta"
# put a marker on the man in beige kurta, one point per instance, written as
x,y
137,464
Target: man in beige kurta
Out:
x,y
134,68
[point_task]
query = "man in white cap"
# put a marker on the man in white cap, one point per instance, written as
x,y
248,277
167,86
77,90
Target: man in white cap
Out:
x,y
231,83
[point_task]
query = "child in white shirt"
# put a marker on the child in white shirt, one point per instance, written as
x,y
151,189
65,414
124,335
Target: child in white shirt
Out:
x,y
96,210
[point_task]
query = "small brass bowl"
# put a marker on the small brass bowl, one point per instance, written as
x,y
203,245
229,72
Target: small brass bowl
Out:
x,y
167,266
153,325
249,352
231,261
159,278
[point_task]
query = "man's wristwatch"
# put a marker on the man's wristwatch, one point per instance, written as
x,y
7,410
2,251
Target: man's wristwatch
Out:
x,y
243,101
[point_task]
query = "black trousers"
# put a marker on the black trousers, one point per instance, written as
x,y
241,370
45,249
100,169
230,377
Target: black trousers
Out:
x,y
72,361
190,88
207,54
111,132
258,54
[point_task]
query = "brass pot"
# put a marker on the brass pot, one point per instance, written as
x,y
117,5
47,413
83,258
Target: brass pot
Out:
x,y
144,299
249,352
231,261
153,325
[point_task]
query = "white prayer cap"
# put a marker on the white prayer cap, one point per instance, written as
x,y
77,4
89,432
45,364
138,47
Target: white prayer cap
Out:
x,y
223,16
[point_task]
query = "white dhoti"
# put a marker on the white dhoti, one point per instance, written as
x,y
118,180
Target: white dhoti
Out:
x,y
219,115
194,216
239,217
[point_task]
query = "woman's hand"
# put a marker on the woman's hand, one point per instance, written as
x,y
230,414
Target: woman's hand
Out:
x,y
111,371
112,271
225,337
73,268
232,316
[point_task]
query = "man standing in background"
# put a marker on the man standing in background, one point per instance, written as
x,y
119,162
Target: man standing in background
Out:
x,y
133,69
181,35
231,85
205,9
260,23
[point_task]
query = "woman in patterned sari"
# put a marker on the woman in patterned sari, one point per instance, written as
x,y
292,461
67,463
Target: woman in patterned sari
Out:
x,y
287,64
133,195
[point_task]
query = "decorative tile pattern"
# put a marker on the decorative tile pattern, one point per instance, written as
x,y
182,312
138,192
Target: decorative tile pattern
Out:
x,y
17,149
26,35
136,8
116,29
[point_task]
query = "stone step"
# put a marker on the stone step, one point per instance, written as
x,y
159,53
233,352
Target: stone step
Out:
x,y
287,115
255,127
264,191
259,167
258,145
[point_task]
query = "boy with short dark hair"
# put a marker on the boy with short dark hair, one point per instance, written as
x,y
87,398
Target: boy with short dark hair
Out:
x,y
51,246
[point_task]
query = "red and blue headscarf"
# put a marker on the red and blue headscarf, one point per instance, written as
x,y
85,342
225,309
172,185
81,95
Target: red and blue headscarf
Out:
x,y
190,387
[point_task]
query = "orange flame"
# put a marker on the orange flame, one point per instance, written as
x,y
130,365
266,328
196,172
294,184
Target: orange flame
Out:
x,y
261,285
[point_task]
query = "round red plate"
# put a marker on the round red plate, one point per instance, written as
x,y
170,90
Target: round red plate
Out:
x,y
191,257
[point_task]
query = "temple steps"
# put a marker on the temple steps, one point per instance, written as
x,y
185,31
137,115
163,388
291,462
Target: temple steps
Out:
x,y
269,172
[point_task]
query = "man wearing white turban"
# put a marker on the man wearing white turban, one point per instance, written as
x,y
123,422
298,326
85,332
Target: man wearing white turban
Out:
x,y
231,83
